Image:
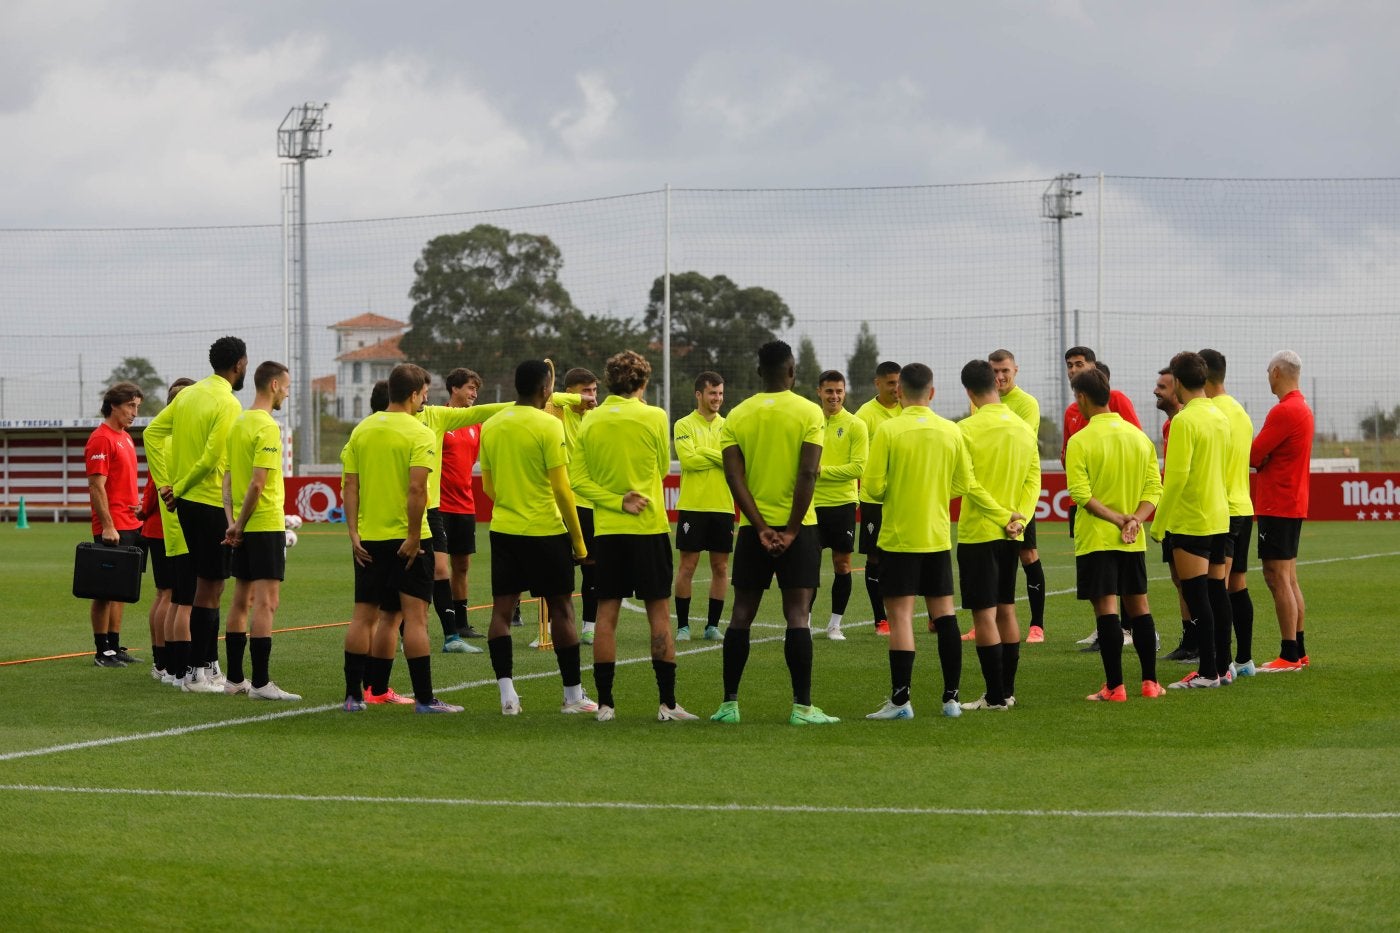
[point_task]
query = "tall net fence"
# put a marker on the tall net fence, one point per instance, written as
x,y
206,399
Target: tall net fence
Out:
x,y
937,274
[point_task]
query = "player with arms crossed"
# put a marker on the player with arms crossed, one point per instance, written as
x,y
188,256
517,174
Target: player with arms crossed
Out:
x,y
705,520
845,447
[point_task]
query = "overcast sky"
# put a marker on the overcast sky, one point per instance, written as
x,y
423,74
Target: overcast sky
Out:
x,y
153,113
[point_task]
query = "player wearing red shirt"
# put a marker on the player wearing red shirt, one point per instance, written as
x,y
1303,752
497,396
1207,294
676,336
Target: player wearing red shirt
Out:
x,y
111,471
460,448
1281,454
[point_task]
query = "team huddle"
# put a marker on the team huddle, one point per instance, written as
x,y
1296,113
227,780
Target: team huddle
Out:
x,y
579,483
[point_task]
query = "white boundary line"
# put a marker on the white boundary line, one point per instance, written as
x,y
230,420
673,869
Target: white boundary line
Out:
x,y
781,809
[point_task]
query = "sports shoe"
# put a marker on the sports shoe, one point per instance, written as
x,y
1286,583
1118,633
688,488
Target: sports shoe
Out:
x,y
157,673
981,703
453,644
834,633
234,689
952,709
712,633
195,682
728,712
1151,689
215,673
469,632
1127,638
107,659
675,713
270,691
1280,666
1227,678
1035,636
892,711
1183,654
510,707
1246,669
515,618
683,633
1194,681
437,706
586,637
809,716
882,628
1304,661
1118,694
1010,701
126,658
969,635
605,714
582,705
535,643
169,679
388,696
1092,639
352,705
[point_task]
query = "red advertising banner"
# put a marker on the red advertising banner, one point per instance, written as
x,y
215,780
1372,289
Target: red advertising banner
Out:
x,y
1354,497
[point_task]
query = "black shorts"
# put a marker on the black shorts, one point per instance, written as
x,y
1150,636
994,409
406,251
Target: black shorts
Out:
x,y
1072,510
1109,573
870,513
705,531
986,573
1028,542
204,527
836,527
439,532
261,556
797,568
182,579
161,571
633,565
1278,537
383,580
1211,547
544,565
1237,542
461,533
1167,548
928,573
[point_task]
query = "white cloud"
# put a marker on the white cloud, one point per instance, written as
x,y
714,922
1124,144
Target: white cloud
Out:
x,y
582,127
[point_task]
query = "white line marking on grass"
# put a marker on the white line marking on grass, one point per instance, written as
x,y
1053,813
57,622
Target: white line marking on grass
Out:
x,y
780,809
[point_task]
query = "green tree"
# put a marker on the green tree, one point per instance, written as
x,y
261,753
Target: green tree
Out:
x,y
1380,424
860,368
809,369
715,325
139,370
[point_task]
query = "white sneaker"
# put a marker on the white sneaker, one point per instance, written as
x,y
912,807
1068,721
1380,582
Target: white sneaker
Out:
x,y
157,673
582,705
216,673
510,707
952,708
1092,639
270,691
1127,638
1010,701
834,633
535,643
981,703
604,714
234,689
195,683
676,713
891,711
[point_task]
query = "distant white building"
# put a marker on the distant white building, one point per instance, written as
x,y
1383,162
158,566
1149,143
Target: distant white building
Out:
x,y
367,348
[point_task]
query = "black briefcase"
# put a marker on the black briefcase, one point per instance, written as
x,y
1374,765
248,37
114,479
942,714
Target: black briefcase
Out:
x,y
102,571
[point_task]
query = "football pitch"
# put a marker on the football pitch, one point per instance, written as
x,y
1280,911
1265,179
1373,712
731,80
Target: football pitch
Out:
x,y
1269,804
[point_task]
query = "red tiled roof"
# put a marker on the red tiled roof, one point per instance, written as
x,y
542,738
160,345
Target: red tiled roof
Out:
x,y
383,351
368,321
325,385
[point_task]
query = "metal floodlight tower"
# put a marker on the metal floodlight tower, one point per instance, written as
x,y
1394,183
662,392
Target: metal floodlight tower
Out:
x,y
298,141
1057,204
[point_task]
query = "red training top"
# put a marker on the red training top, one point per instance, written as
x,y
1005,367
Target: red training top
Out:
x,y
1282,453
459,453
150,507
111,454
1074,418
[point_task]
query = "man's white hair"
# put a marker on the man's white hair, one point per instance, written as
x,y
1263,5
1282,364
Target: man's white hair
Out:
x,y
1288,361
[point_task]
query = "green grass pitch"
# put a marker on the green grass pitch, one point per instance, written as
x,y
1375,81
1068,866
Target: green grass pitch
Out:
x,y
1269,804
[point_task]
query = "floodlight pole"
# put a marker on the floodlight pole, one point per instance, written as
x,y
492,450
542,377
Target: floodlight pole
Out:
x,y
1057,204
666,315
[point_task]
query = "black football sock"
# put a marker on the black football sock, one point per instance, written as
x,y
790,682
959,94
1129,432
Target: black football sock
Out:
x,y
1035,591
901,676
1188,635
1111,649
1224,624
1196,592
420,673
797,649
1145,643
716,613
99,642
736,656
1302,646
665,681
235,643
872,589
989,657
158,656
379,671
1242,609
502,656
1010,661
590,593
354,675
442,604
840,593
603,673
569,665
949,655
1288,650
459,615
114,641
261,651
180,658
199,633
682,611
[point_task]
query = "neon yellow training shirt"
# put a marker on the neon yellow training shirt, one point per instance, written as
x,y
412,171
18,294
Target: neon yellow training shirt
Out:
x,y
519,447
1111,460
769,429
1006,460
255,442
872,414
623,446
1024,404
440,419
918,463
1237,460
845,448
1193,494
703,487
561,406
196,424
381,451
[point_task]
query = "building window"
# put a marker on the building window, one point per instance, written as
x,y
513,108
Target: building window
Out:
x,y
340,409
359,407
357,373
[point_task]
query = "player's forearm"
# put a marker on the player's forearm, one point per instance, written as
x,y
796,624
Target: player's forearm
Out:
x,y
564,501
417,505
802,493
100,505
251,497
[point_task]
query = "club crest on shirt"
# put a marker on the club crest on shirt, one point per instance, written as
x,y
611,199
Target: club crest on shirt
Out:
x,y
840,431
